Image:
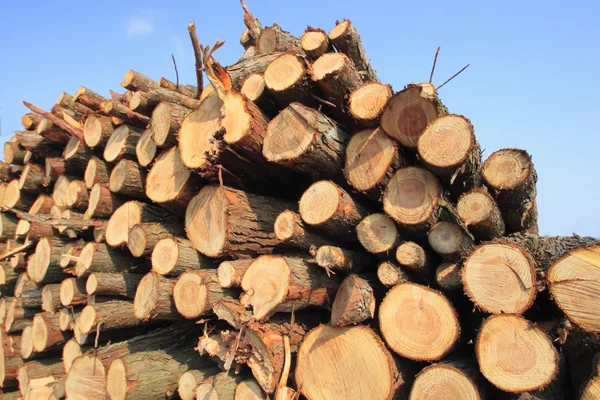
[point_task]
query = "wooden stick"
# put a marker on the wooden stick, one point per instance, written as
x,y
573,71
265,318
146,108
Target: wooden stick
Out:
x,y
78,133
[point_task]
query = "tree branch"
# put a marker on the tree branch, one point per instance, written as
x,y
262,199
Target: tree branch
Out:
x,y
198,56
78,133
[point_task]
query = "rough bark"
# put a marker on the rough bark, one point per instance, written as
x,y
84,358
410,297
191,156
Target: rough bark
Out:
x,y
121,284
354,302
335,259
103,203
129,214
346,39
154,299
133,81
288,80
97,171
480,213
98,257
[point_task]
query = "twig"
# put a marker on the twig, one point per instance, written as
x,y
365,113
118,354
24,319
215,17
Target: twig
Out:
x,y
78,133
434,62
453,76
320,100
17,250
176,72
96,346
198,56
67,223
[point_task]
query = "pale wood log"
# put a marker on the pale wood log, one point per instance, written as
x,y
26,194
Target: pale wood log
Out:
x,y
73,292
172,256
98,257
97,130
128,179
129,214
154,299
144,237
121,143
196,292
166,120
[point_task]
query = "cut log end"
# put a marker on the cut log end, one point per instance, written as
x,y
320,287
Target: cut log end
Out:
x,y
165,256
168,178
574,286
319,202
71,351
94,130
479,212
377,233
418,323
314,42
500,278
448,276
284,72
411,255
123,219
117,142
444,381
368,101
145,149
86,379
515,355
329,64
214,203
390,274
254,87
507,169
408,113
368,372
449,240
268,277
190,295
26,350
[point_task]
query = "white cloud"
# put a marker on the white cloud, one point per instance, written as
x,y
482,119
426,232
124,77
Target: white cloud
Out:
x,y
136,27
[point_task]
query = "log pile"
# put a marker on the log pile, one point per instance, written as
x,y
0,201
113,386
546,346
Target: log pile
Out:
x,y
293,229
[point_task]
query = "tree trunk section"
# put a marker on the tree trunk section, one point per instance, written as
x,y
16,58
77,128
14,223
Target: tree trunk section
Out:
x,y
288,80
354,302
145,236
378,234
98,257
196,292
102,203
166,121
97,130
172,256
450,240
72,292
480,213
129,214
335,259
109,316
346,39
113,284
154,299
97,171
120,111
128,179
121,144
231,273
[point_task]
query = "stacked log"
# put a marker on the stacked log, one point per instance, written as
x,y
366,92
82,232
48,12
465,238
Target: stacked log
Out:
x,y
293,228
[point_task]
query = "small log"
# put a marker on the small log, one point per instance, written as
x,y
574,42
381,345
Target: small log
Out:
x,y
290,229
390,274
408,112
273,39
288,80
354,302
453,380
43,205
500,278
32,178
76,156
8,225
122,143
32,142
334,259
51,132
122,112
160,94
98,257
46,268
51,297
448,276
315,42
8,278
145,236
166,122
70,352
9,172
120,284
97,130
254,88
129,214
186,90
14,153
511,178
378,234
110,315
53,168
404,319
145,149
196,292
380,377
97,171
190,380
30,121
34,376
366,103
46,334
449,149
449,240
305,140
154,299
327,206
244,224
139,103
346,39
102,203
89,98
31,297
231,273
133,81
172,256
280,284
15,198
77,195
18,317
128,179
538,361
59,192
67,102
73,292
170,184
414,257
222,386
480,213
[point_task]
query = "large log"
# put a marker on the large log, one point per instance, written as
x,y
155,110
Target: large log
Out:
x,y
224,221
511,177
369,370
113,284
502,336
500,278
346,39
293,284
196,292
418,323
170,184
129,214
408,112
172,256
449,149
307,141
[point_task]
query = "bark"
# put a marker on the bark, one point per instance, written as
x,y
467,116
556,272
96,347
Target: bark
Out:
x,y
107,316
128,179
231,273
129,214
97,171
8,225
246,66
98,257
315,42
293,284
307,141
346,39
53,133
334,259
327,206
17,317
145,148
408,112
186,90
170,183
378,234
154,299
120,111
32,178
196,292
145,236
239,223
173,256
30,141
121,284
354,302
288,80
31,297
160,94
15,198
89,98
166,122
273,39
45,268
480,213
511,178
53,168
97,130
390,274
8,278
122,143
103,203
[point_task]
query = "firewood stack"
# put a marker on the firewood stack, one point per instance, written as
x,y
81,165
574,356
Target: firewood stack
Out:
x,y
293,229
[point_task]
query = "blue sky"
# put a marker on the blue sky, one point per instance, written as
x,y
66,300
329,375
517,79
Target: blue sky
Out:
x,y
532,82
